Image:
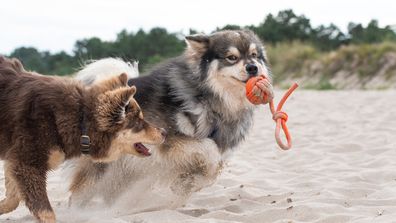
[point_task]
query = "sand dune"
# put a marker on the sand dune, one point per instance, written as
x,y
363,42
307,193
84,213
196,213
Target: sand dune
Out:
x,y
342,169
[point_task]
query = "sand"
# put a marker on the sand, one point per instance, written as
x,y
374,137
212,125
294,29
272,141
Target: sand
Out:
x,y
342,168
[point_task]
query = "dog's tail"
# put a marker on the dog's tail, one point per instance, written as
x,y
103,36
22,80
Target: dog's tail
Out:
x,y
106,68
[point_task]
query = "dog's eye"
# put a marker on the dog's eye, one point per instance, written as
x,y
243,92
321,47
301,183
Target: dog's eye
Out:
x,y
232,58
138,126
254,55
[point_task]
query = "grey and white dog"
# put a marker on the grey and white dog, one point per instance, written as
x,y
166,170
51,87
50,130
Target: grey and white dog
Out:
x,y
199,98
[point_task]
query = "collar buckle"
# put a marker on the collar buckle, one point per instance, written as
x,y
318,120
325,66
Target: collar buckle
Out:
x,y
85,143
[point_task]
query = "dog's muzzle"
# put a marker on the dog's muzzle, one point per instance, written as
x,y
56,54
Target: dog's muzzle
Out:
x,y
252,70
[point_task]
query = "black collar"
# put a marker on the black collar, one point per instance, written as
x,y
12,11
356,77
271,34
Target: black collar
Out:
x,y
85,141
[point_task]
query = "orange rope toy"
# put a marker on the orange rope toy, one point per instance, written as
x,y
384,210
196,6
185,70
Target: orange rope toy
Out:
x,y
279,116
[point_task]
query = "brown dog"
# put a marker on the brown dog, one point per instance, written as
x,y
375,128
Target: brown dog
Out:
x,y
45,120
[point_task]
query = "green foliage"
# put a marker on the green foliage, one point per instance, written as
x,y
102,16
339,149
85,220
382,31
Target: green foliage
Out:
x,y
323,85
371,34
60,63
229,27
281,31
315,68
367,59
148,48
286,26
31,58
287,58
328,38
43,62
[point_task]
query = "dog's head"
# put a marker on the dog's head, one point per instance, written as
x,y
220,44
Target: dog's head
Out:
x,y
227,59
118,116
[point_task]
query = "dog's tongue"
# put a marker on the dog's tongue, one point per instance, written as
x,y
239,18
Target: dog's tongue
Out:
x,y
141,149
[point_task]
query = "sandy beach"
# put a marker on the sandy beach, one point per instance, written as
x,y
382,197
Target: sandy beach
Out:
x,y
342,168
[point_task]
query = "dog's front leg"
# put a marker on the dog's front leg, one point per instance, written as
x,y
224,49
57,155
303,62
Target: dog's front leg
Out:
x,y
31,182
12,199
199,162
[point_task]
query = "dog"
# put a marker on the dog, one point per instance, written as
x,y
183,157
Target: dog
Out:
x,y
199,98
46,120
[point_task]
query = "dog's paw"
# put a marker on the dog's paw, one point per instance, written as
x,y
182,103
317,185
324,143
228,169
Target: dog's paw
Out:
x,y
8,204
183,185
46,216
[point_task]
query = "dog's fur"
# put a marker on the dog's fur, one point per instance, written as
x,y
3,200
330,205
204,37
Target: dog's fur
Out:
x,y
42,119
199,97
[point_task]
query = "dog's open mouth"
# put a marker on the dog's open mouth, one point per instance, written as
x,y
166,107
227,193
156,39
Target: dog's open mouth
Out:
x,y
141,149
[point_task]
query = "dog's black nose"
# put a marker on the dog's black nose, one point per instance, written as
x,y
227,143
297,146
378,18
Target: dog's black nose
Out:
x,y
252,70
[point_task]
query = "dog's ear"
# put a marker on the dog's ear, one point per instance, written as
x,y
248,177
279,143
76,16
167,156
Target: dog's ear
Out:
x,y
110,111
11,66
198,43
111,84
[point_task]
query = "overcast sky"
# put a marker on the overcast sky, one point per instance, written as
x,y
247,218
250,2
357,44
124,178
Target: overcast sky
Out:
x,y
55,24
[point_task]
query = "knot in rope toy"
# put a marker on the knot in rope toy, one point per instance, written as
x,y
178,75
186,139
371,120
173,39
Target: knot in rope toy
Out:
x,y
279,116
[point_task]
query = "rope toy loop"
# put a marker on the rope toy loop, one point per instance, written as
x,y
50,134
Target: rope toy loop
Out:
x,y
279,116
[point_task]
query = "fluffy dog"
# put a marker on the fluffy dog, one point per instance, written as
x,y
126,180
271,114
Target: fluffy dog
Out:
x,y
46,120
199,98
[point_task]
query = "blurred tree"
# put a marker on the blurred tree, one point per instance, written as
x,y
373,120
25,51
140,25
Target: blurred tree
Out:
x,y
93,48
286,26
60,63
192,31
328,38
155,45
31,58
228,27
158,44
371,34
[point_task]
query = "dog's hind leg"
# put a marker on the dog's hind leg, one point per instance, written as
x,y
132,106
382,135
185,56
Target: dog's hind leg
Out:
x,y
12,199
31,182
86,175
80,189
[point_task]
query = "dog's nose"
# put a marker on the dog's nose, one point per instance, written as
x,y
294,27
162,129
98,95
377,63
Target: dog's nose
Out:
x,y
252,70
